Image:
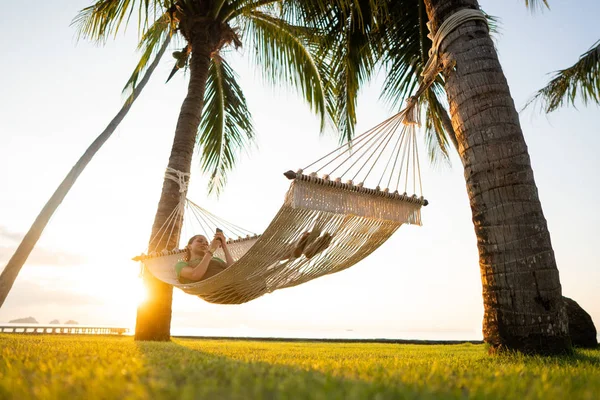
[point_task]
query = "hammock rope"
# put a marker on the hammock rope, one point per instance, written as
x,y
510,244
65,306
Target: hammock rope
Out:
x,y
374,151
325,225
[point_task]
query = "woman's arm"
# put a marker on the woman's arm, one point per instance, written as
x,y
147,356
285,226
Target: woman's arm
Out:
x,y
196,273
228,257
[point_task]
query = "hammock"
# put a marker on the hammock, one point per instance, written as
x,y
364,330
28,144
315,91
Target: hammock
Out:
x,y
340,223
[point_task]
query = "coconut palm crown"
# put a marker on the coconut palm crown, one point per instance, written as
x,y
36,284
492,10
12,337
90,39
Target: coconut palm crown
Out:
x,y
211,27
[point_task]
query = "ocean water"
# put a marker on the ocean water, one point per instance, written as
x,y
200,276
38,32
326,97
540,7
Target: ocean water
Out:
x,y
251,332
356,334
326,334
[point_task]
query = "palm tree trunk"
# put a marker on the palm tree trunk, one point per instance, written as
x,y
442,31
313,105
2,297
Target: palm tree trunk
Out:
x,y
16,262
154,316
523,306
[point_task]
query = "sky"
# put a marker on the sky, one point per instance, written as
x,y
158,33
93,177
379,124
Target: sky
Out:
x,y
58,94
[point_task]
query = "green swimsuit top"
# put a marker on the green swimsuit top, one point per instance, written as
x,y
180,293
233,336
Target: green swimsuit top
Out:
x,y
215,266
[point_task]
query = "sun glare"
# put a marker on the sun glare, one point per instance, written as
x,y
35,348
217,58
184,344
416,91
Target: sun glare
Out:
x,y
139,293
117,286
129,290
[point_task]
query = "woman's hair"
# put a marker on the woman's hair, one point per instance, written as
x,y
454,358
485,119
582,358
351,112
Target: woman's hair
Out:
x,y
188,253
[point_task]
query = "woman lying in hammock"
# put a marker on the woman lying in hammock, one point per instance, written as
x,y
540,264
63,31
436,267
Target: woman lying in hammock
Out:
x,y
199,262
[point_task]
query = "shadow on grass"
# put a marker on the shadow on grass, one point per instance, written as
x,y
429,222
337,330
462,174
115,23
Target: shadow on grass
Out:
x,y
177,371
580,357
226,370
53,367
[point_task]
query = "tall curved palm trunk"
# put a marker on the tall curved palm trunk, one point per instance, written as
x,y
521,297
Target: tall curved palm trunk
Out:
x,y
18,259
154,316
522,296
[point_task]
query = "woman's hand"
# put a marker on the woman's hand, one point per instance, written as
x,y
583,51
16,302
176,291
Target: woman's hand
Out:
x,y
221,237
214,244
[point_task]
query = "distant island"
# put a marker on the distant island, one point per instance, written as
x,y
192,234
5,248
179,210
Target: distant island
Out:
x,y
31,320
28,320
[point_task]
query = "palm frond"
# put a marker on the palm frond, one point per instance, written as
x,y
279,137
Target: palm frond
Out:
x,y
436,133
344,53
226,125
235,9
353,68
353,60
537,4
149,44
281,50
105,17
314,12
580,81
406,50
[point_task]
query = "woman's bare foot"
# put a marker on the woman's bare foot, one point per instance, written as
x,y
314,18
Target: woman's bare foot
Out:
x,y
299,249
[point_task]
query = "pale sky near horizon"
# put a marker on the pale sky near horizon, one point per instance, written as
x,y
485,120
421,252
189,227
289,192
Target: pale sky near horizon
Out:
x,y
58,95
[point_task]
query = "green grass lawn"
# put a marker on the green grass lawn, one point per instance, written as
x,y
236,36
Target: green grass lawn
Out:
x,y
88,367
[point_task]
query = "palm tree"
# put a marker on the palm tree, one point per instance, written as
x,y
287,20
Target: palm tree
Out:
x,y
149,44
523,306
207,27
521,288
581,80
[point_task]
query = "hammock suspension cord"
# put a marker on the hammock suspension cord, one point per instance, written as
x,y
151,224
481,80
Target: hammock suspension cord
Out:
x,y
371,154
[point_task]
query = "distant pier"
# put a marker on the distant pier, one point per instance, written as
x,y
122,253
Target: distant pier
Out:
x,y
33,329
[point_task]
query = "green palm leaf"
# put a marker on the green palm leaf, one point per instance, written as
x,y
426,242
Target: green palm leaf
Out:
x,y
318,13
226,125
536,4
345,57
281,50
353,62
439,136
581,80
149,44
105,17
235,9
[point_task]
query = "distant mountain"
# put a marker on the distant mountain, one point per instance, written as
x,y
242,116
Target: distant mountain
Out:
x,y
28,320
55,321
71,322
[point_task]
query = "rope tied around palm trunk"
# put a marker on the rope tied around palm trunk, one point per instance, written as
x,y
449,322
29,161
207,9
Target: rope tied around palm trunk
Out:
x,y
167,229
181,178
434,64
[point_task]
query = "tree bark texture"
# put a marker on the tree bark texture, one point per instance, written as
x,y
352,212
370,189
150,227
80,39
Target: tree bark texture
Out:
x,y
523,306
153,320
16,262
